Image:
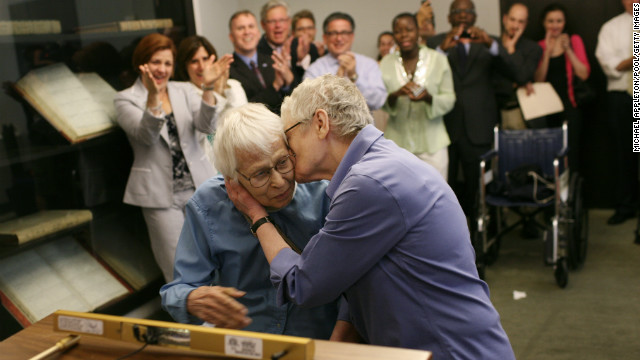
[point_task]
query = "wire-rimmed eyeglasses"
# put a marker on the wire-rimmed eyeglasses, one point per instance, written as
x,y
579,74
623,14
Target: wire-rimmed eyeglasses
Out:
x,y
259,179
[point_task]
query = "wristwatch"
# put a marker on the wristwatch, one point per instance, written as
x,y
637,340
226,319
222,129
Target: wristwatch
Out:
x,y
354,78
254,227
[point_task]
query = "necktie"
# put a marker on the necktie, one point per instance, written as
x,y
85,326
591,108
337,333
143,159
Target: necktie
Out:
x,y
462,57
256,71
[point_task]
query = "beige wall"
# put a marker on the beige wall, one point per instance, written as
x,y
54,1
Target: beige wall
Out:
x,y
371,17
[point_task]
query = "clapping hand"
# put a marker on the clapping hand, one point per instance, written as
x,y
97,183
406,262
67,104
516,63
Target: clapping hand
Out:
x,y
148,80
347,65
213,70
283,74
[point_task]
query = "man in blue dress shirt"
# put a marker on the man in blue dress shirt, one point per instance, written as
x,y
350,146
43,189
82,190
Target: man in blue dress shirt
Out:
x,y
221,275
363,71
395,241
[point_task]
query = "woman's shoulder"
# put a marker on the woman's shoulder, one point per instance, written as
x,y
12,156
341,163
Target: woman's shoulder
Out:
x,y
575,38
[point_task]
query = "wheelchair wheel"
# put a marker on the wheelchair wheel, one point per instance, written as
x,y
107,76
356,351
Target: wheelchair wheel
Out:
x,y
561,272
579,232
581,221
493,252
480,256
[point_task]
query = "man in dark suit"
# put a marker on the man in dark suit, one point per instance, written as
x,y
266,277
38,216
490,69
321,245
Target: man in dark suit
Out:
x,y
473,56
266,79
524,55
276,23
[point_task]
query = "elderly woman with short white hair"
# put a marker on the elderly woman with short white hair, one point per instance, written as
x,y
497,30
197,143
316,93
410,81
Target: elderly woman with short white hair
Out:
x,y
221,274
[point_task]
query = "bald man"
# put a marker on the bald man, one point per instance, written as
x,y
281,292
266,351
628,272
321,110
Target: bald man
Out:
x,y
524,55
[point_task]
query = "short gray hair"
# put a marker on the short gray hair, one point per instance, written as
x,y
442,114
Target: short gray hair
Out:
x,y
270,5
248,128
339,97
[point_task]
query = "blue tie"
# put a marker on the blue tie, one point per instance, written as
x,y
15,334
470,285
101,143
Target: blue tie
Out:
x,y
462,57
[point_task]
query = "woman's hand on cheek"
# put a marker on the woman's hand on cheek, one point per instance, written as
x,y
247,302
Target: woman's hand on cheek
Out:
x,y
243,200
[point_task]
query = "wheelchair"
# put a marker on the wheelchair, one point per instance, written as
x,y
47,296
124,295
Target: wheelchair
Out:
x,y
565,228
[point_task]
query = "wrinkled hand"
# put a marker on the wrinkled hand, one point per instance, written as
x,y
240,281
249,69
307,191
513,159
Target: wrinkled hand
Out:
x,y
217,305
148,80
283,74
214,69
243,201
347,64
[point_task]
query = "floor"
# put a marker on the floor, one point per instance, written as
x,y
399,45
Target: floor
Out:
x,y
597,316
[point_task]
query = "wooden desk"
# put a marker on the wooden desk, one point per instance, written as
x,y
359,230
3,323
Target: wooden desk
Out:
x,y
40,336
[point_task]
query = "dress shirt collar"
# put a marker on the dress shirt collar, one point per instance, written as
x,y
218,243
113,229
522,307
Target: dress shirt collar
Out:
x,y
359,146
248,59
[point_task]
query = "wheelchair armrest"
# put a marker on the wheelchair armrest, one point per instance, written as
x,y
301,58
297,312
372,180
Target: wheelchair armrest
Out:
x,y
489,155
563,152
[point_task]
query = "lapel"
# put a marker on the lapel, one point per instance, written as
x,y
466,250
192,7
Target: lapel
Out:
x,y
245,75
179,107
265,65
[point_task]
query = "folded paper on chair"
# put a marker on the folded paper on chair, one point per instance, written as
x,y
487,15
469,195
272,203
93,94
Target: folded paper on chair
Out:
x,y
543,101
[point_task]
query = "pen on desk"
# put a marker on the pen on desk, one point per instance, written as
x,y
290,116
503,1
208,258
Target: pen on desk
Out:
x,y
60,346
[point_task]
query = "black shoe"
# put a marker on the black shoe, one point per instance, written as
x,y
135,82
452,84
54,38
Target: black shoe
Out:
x,y
619,217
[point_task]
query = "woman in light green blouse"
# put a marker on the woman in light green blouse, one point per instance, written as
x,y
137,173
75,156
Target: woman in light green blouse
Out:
x,y
420,87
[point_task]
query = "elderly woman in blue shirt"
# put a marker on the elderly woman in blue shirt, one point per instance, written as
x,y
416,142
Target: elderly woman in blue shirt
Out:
x,y
221,275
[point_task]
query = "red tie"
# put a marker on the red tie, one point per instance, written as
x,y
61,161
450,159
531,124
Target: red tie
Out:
x,y
258,74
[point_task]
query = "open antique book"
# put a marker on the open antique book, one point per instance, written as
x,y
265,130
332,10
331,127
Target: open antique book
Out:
x,y
79,106
56,275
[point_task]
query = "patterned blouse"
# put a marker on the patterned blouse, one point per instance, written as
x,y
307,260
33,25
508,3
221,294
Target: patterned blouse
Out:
x,y
181,175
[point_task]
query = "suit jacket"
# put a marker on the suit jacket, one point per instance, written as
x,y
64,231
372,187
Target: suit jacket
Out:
x,y
475,112
251,85
150,182
524,61
298,71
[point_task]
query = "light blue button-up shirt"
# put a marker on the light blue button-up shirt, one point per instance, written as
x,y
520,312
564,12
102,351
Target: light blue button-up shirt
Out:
x,y
216,247
396,243
369,80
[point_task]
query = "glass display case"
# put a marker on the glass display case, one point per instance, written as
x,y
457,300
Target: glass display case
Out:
x,y
40,169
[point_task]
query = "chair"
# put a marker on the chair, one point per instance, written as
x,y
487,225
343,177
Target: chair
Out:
x,y
566,221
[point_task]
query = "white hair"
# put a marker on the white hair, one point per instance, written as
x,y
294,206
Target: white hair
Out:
x,y
270,5
249,128
339,97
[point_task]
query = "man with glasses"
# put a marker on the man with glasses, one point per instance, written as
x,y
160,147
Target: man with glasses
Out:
x,y
276,23
363,71
221,275
473,56
395,241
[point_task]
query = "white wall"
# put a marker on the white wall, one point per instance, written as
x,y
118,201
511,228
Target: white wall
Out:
x,y
371,17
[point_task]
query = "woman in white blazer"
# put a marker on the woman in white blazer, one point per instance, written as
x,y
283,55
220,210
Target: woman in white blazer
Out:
x,y
193,53
161,119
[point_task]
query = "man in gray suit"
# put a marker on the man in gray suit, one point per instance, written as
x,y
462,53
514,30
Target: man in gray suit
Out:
x,y
473,56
